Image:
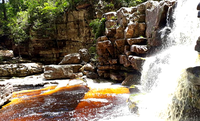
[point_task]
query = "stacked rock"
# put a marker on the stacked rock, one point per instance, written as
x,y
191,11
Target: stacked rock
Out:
x,y
130,33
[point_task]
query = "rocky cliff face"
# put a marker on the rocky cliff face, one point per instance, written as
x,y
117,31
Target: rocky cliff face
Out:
x,y
71,32
131,34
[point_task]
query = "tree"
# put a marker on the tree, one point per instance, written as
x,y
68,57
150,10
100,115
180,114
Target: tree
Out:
x,y
4,10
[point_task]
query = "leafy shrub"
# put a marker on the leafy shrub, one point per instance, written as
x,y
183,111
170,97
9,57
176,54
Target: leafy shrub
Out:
x,y
98,27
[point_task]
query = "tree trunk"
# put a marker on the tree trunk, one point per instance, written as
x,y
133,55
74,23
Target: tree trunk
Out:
x,y
4,10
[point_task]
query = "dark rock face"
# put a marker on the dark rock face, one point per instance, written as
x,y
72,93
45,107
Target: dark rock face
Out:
x,y
156,19
6,90
197,46
72,34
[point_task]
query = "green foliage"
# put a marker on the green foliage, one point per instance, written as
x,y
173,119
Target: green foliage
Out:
x,y
134,2
92,49
36,15
18,27
98,27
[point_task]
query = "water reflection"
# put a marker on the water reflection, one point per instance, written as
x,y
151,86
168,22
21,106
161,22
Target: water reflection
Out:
x,y
69,103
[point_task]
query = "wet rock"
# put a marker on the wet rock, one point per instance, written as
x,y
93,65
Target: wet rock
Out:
x,y
62,71
73,58
156,16
139,49
131,79
116,77
136,62
105,47
20,70
198,6
132,105
6,90
197,46
193,75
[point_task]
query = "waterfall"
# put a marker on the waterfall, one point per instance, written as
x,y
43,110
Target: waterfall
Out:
x,y
167,90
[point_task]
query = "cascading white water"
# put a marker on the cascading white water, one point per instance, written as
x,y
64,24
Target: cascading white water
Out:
x,y
163,77
166,88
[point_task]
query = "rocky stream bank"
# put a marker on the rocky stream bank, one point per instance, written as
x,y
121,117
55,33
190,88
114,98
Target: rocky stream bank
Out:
x,y
131,36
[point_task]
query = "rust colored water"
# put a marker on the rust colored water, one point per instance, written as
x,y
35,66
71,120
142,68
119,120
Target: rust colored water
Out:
x,y
76,103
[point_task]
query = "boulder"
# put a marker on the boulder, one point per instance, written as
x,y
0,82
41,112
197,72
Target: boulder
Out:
x,y
138,40
84,54
62,71
198,6
130,30
116,77
74,58
197,46
119,32
139,49
6,90
193,75
105,47
124,60
136,62
6,54
92,75
88,67
131,79
20,70
120,43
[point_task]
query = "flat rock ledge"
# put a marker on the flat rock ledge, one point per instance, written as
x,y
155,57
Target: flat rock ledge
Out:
x,y
20,70
6,90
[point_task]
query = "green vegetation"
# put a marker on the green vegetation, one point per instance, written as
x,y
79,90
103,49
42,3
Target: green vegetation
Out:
x,y
19,17
98,27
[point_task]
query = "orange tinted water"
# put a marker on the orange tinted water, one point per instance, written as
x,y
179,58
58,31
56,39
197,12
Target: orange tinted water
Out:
x,y
65,103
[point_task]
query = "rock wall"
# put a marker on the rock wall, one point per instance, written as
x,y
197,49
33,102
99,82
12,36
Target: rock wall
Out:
x,y
72,33
131,34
